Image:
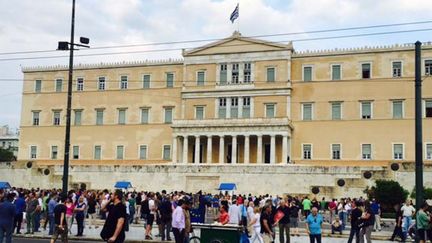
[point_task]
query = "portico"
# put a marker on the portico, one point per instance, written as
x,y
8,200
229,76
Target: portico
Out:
x,y
244,141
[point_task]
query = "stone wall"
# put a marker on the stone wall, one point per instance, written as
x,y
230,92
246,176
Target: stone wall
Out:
x,y
256,179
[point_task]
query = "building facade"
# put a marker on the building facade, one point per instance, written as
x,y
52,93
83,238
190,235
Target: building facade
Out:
x,y
9,140
235,101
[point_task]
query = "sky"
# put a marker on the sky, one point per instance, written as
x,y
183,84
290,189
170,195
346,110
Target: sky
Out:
x,y
30,25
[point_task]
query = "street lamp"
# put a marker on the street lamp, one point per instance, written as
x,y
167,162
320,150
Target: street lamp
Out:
x,y
69,46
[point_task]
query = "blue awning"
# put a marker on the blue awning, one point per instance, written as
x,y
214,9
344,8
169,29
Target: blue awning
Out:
x,y
123,184
227,187
4,185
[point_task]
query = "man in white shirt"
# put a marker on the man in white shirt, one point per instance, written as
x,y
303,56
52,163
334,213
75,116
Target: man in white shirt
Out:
x,y
234,213
178,222
407,212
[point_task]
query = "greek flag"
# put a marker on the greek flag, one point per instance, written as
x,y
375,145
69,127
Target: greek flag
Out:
x,y
235,14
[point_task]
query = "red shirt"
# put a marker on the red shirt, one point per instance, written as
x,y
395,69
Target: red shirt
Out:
x,y
224,218
332,205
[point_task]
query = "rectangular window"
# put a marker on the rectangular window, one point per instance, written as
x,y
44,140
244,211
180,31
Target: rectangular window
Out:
x,y
366,110
59,85
80,84
168,115
36,115
222,108
429,151
33,152
307,112
398,151
307,151
97,152
145,115
75,152
170,80
223,74
246,107
307,74
56,118
101,83
366,70
271,74
200,78
166,152
336,72
336,151
397,109
99,116
235,73
121,116
366,151
143,152
146,81
54,152
428,108
247,72
199,112
270,110
336,110
38,86
234,107
123,82
428,67
78,115
397,69
120,152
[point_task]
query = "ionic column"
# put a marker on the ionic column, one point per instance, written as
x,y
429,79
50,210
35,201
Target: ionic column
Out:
x,y
234,150
221,149
284,149
272,149
185,149
174,149
209,149
197,149
259,149
246,150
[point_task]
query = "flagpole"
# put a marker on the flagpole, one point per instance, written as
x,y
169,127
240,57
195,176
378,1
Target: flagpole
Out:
x,y
238,19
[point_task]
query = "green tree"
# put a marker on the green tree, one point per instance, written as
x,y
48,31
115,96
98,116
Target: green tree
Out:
x,y
6,155
427,193
388,193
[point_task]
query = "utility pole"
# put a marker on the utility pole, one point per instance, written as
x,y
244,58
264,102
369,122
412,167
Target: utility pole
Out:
x,y
418,128
62,45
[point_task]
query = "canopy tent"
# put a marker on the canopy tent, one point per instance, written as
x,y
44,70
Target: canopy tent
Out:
x,y
4,185
227,187
123,185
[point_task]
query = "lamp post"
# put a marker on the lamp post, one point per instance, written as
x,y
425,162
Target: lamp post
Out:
x,y
64,46
418,128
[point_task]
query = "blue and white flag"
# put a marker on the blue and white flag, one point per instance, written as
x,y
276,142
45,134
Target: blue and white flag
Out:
x,y
235,14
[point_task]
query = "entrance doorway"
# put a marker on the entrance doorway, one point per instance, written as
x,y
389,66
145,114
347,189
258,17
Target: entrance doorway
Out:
x,y
267,153
200,155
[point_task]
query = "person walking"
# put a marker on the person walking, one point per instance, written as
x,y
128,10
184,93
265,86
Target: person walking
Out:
x,y
61,227
92,204
179,222
294,218
79,215
7,214
307,204
256,226
313,225
408,212
32,204
265,222
376,209
20,205
166,211
69,213
284,222
367,223
50,209
355,216
398,224
114,226
423,220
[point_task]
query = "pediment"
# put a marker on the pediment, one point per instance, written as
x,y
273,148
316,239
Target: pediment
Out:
x,y
237,44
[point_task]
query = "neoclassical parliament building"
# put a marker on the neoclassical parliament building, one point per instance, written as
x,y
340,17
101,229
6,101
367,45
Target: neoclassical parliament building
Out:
x,y
235,102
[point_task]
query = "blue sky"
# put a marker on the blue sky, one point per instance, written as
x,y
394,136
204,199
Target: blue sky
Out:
x,y
38,25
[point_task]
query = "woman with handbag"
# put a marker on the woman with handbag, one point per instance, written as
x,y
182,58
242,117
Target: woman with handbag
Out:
x,y
367,221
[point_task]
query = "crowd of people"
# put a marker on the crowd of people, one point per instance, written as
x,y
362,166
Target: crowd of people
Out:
x,y
173,214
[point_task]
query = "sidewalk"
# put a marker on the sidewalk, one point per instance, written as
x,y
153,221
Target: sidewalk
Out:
x,y
136,234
